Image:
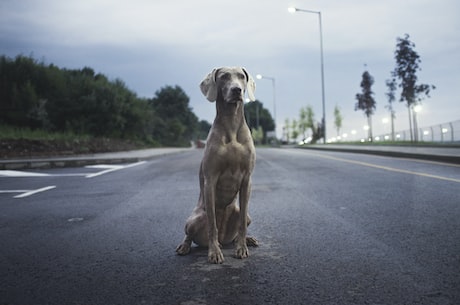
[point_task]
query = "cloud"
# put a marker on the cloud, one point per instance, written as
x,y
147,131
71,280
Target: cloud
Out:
x,y
150,44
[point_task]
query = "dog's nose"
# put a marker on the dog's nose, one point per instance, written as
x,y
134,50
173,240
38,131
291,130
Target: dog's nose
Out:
x,y
236,90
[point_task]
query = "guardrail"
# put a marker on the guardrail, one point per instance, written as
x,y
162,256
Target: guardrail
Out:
x,y
446,132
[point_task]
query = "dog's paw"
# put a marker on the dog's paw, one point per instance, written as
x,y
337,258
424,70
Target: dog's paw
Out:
x,y
252,242
242,252
215,256
183,249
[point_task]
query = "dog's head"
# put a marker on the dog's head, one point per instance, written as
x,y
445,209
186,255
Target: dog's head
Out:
x,y
230,83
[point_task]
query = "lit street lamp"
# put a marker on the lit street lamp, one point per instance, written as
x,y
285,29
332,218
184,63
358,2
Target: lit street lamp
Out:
x,y
293,10
259,76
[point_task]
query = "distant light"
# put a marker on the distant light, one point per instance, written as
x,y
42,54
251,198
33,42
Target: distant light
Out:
x,y
353,132
426,132
385,120
292,10
362,140
398,136
344,135
258,76
377,138
417,108
365,127
444,130
387,137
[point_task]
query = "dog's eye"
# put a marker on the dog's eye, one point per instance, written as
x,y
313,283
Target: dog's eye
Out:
x,y
225,76
241,76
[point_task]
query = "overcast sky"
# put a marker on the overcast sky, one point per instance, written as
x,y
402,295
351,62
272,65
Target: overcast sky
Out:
x,y
151,43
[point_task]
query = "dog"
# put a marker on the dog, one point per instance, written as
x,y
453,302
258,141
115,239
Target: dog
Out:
x,y
225,171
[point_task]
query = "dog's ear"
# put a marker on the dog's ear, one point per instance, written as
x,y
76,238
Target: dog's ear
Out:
x,y
251,85
208,86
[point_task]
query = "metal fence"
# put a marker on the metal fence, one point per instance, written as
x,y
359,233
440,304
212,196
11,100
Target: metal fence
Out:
x,y
446,133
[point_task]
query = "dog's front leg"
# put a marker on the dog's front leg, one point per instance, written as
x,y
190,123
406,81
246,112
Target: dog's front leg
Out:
x,y
215,255
241,245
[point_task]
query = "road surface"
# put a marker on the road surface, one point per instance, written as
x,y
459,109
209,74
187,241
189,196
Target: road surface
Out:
x,y
334,228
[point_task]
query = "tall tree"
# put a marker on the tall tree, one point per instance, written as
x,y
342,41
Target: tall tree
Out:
x,y
366,101
391,85
337,119
407,65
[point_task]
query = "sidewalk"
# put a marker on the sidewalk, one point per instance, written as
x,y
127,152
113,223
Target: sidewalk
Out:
x,y
82,160
431,153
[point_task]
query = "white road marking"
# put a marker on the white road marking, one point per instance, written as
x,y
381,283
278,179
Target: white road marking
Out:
x,y
9,173
106,169
110,168
27,193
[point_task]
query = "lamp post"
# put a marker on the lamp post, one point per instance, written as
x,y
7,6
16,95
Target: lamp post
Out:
x,y
259,76
293,10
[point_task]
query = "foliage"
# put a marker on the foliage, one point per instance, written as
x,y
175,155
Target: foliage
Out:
x,y
366,101
257,134
337,119
294,130
79,101
407,65
307,121
175,124
258,116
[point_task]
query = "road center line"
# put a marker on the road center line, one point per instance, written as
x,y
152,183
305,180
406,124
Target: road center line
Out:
x,y
391,169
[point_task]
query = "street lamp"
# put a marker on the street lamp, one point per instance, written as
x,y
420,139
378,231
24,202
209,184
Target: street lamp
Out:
x,y
259,76
293,10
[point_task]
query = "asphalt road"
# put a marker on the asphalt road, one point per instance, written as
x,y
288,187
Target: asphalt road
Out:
x,y
334,228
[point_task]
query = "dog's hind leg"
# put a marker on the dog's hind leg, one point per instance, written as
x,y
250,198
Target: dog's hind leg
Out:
x,y
185,247
195,230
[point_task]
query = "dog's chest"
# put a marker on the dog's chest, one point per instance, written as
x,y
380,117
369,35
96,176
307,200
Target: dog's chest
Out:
x,y
234,156
236,161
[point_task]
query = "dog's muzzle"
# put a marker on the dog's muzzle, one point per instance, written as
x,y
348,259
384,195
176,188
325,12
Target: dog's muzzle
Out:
x,y
235,95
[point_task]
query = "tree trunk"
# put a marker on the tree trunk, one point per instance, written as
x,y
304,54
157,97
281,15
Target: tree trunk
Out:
x,y
369,122
410,124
